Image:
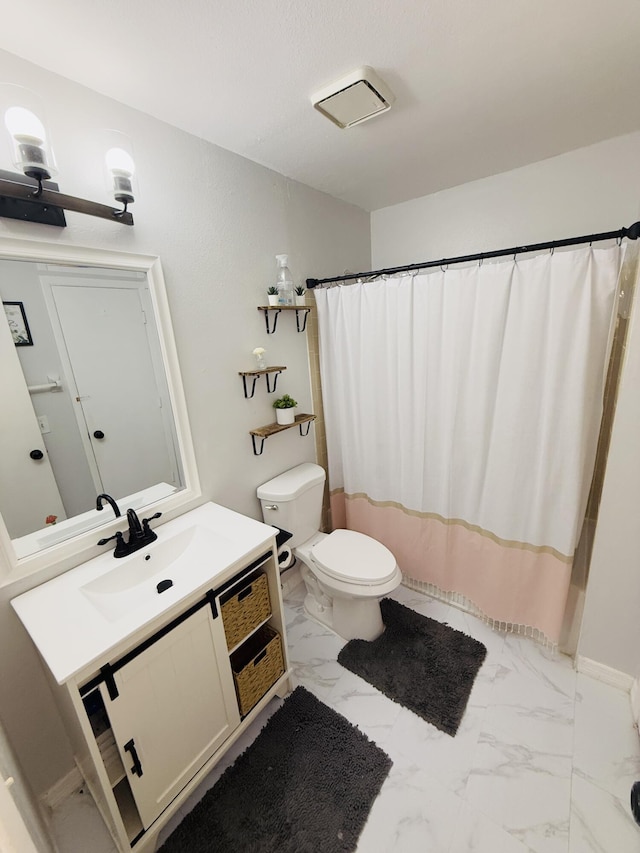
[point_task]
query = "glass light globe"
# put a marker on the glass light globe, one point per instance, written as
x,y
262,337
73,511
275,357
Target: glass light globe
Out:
x,y
120,162
29,138
24,126
121,167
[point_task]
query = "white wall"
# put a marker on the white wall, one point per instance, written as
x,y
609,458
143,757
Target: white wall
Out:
x,y
217,221
586,191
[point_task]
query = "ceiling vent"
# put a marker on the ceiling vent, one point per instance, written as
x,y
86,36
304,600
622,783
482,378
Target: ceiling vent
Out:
x,y
358,96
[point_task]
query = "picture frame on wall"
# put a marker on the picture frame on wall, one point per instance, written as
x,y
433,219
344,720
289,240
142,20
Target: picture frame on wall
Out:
x,y
18,324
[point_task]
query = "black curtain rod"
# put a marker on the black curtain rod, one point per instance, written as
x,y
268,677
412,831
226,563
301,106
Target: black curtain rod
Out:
x,y
632,233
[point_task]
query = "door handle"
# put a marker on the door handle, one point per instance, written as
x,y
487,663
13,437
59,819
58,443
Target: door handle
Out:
x,y
98,434
136,768
36,454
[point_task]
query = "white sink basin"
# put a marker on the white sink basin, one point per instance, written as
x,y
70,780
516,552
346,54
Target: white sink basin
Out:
x,y
133,580
93,612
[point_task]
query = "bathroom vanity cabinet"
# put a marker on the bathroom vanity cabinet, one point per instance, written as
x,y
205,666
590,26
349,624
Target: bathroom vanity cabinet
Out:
x,y
150,716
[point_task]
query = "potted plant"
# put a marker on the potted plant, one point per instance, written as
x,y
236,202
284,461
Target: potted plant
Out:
x,y
300,297
272,295
285,408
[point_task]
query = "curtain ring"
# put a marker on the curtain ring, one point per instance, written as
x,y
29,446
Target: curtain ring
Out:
x,y
619,241
480,260
552,249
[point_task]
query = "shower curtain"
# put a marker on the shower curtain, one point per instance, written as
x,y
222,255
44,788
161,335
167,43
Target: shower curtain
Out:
x,y
462,410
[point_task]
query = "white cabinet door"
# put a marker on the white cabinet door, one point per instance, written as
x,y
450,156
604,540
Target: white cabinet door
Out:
x,y
175,706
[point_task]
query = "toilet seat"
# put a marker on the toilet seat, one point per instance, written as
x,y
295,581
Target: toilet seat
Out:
x,y
354,557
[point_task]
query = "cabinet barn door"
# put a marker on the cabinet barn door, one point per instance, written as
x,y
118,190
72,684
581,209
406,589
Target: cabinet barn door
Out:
x,y
176,706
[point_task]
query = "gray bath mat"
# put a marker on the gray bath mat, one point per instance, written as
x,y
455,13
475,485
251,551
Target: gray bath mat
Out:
x,y
422,664
305,785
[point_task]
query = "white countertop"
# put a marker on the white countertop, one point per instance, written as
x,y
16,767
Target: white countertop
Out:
x,y
71,634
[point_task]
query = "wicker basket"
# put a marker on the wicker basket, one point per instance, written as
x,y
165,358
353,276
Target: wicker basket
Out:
x,y
256,666
246,608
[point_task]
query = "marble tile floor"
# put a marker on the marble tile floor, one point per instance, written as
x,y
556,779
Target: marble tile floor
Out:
x,y
543,761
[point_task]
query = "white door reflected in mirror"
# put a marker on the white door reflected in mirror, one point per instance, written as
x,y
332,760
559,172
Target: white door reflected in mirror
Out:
x,y
122,401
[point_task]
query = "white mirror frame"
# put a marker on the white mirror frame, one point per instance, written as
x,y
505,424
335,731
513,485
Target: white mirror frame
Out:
x,y
77,549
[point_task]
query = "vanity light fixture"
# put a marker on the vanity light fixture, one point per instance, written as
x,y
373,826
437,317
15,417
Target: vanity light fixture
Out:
x,y
32,197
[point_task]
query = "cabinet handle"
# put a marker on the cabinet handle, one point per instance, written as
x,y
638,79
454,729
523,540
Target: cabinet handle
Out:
x,y
130,747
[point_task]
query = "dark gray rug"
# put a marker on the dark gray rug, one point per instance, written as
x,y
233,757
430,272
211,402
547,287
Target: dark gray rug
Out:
x,y
422,664
305,785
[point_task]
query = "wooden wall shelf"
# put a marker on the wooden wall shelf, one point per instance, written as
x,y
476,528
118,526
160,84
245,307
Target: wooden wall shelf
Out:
x,y
266,371
271,429
268,309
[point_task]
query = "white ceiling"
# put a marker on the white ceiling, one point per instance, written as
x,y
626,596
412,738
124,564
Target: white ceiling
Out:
x,y
482,86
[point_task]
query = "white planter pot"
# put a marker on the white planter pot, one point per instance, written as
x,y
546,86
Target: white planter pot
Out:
x,y
273,298
301,300
286,416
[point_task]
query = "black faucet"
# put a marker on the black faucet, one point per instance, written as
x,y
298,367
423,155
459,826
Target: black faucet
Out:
x,y
109,500
140,534
135,528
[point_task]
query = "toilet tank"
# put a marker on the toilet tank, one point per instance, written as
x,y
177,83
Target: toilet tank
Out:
x,y
293,501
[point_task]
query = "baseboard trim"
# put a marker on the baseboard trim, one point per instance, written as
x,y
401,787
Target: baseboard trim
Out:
x,y
604,673
62,789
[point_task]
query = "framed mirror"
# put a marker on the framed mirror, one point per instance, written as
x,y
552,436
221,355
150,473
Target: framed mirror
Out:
x,y
93,399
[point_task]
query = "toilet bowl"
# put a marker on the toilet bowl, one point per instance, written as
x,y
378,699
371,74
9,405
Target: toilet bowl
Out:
x,y
346,573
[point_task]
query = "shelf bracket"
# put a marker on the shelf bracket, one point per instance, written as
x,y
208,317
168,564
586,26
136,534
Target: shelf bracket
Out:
x,y
275,320
253,387
304,319
308,427
257,452
275,381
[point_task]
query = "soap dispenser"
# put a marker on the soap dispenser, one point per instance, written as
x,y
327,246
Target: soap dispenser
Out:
x,y
284,281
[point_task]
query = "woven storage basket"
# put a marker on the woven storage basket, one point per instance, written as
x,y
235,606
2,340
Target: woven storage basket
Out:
x,y
245,609
256,667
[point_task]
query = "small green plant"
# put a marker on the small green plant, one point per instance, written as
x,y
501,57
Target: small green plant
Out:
x,y
299,290
272,291
285,402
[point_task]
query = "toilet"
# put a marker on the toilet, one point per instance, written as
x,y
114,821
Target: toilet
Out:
x,y
345,573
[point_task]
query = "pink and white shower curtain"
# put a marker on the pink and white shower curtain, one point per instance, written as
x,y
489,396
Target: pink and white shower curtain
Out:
x,y
462,412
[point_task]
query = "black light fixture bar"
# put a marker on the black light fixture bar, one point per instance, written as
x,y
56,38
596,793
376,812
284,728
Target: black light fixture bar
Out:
x,y
20,198
630,233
